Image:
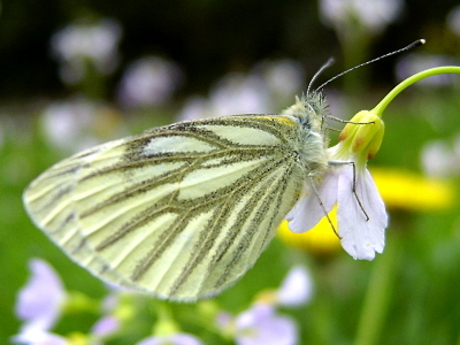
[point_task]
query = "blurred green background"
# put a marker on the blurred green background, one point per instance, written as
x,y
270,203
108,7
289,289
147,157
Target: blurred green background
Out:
x,y
53,103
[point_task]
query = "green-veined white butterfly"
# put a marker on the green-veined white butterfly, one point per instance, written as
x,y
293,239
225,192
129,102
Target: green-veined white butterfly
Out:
x,y
182,211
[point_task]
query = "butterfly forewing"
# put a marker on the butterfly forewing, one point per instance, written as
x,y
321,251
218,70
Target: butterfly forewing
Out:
x,y
180,211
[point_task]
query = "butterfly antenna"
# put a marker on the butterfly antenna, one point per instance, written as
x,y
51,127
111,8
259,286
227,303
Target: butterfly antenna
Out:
x,y
410,46
323,67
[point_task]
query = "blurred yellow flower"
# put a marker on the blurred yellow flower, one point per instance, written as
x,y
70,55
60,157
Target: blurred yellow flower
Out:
x,y
321,240
399,188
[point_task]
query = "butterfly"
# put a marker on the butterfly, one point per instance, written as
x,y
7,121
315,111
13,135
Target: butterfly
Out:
x,y
182,211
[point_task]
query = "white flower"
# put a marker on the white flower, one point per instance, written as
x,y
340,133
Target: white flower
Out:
x,y
78,123
361,215
233,94
64,122
173,339
40,301
261,325
39,337
282,78
195,108
412,63
237,93
261,90
149,81
80,42
296,289
105,326
441,159
39,305
373,15
453,20
268,84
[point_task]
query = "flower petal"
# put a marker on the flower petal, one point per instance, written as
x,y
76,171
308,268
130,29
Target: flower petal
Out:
x,y
297,287
39,302
308,211
38,337
173,339
261,325
361,238
105,326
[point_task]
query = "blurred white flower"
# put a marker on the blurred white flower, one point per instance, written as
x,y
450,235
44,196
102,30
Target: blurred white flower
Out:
x,y
240,94
38,337
440,159
233,94
264,90
195,108
173,339
39,304
62,121
262,325
77,44
284,78
78,123
105,326
149,81
411,64
453,20
296,289
374,15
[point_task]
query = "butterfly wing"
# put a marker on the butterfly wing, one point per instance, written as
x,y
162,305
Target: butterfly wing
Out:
x,y
180,211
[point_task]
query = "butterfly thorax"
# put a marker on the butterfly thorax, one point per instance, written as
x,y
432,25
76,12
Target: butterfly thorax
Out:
x,y
309,110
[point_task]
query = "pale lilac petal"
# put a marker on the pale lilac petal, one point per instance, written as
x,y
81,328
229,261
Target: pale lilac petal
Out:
x,y
105,326
297,287
224,320
175,339
185,339
308,211
39,302
360,238
39,337
260,325
150,341
111,301
149,81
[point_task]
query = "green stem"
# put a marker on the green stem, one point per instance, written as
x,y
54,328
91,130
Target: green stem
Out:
x,y
380,108
377,297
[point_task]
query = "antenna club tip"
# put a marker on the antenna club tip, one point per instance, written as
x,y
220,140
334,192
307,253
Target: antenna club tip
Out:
x,y
414,44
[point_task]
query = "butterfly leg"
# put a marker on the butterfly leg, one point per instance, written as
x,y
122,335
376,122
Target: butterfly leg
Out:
x,y
326,214
353,188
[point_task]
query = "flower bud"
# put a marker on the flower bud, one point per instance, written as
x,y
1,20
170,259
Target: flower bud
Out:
x,y
364,134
